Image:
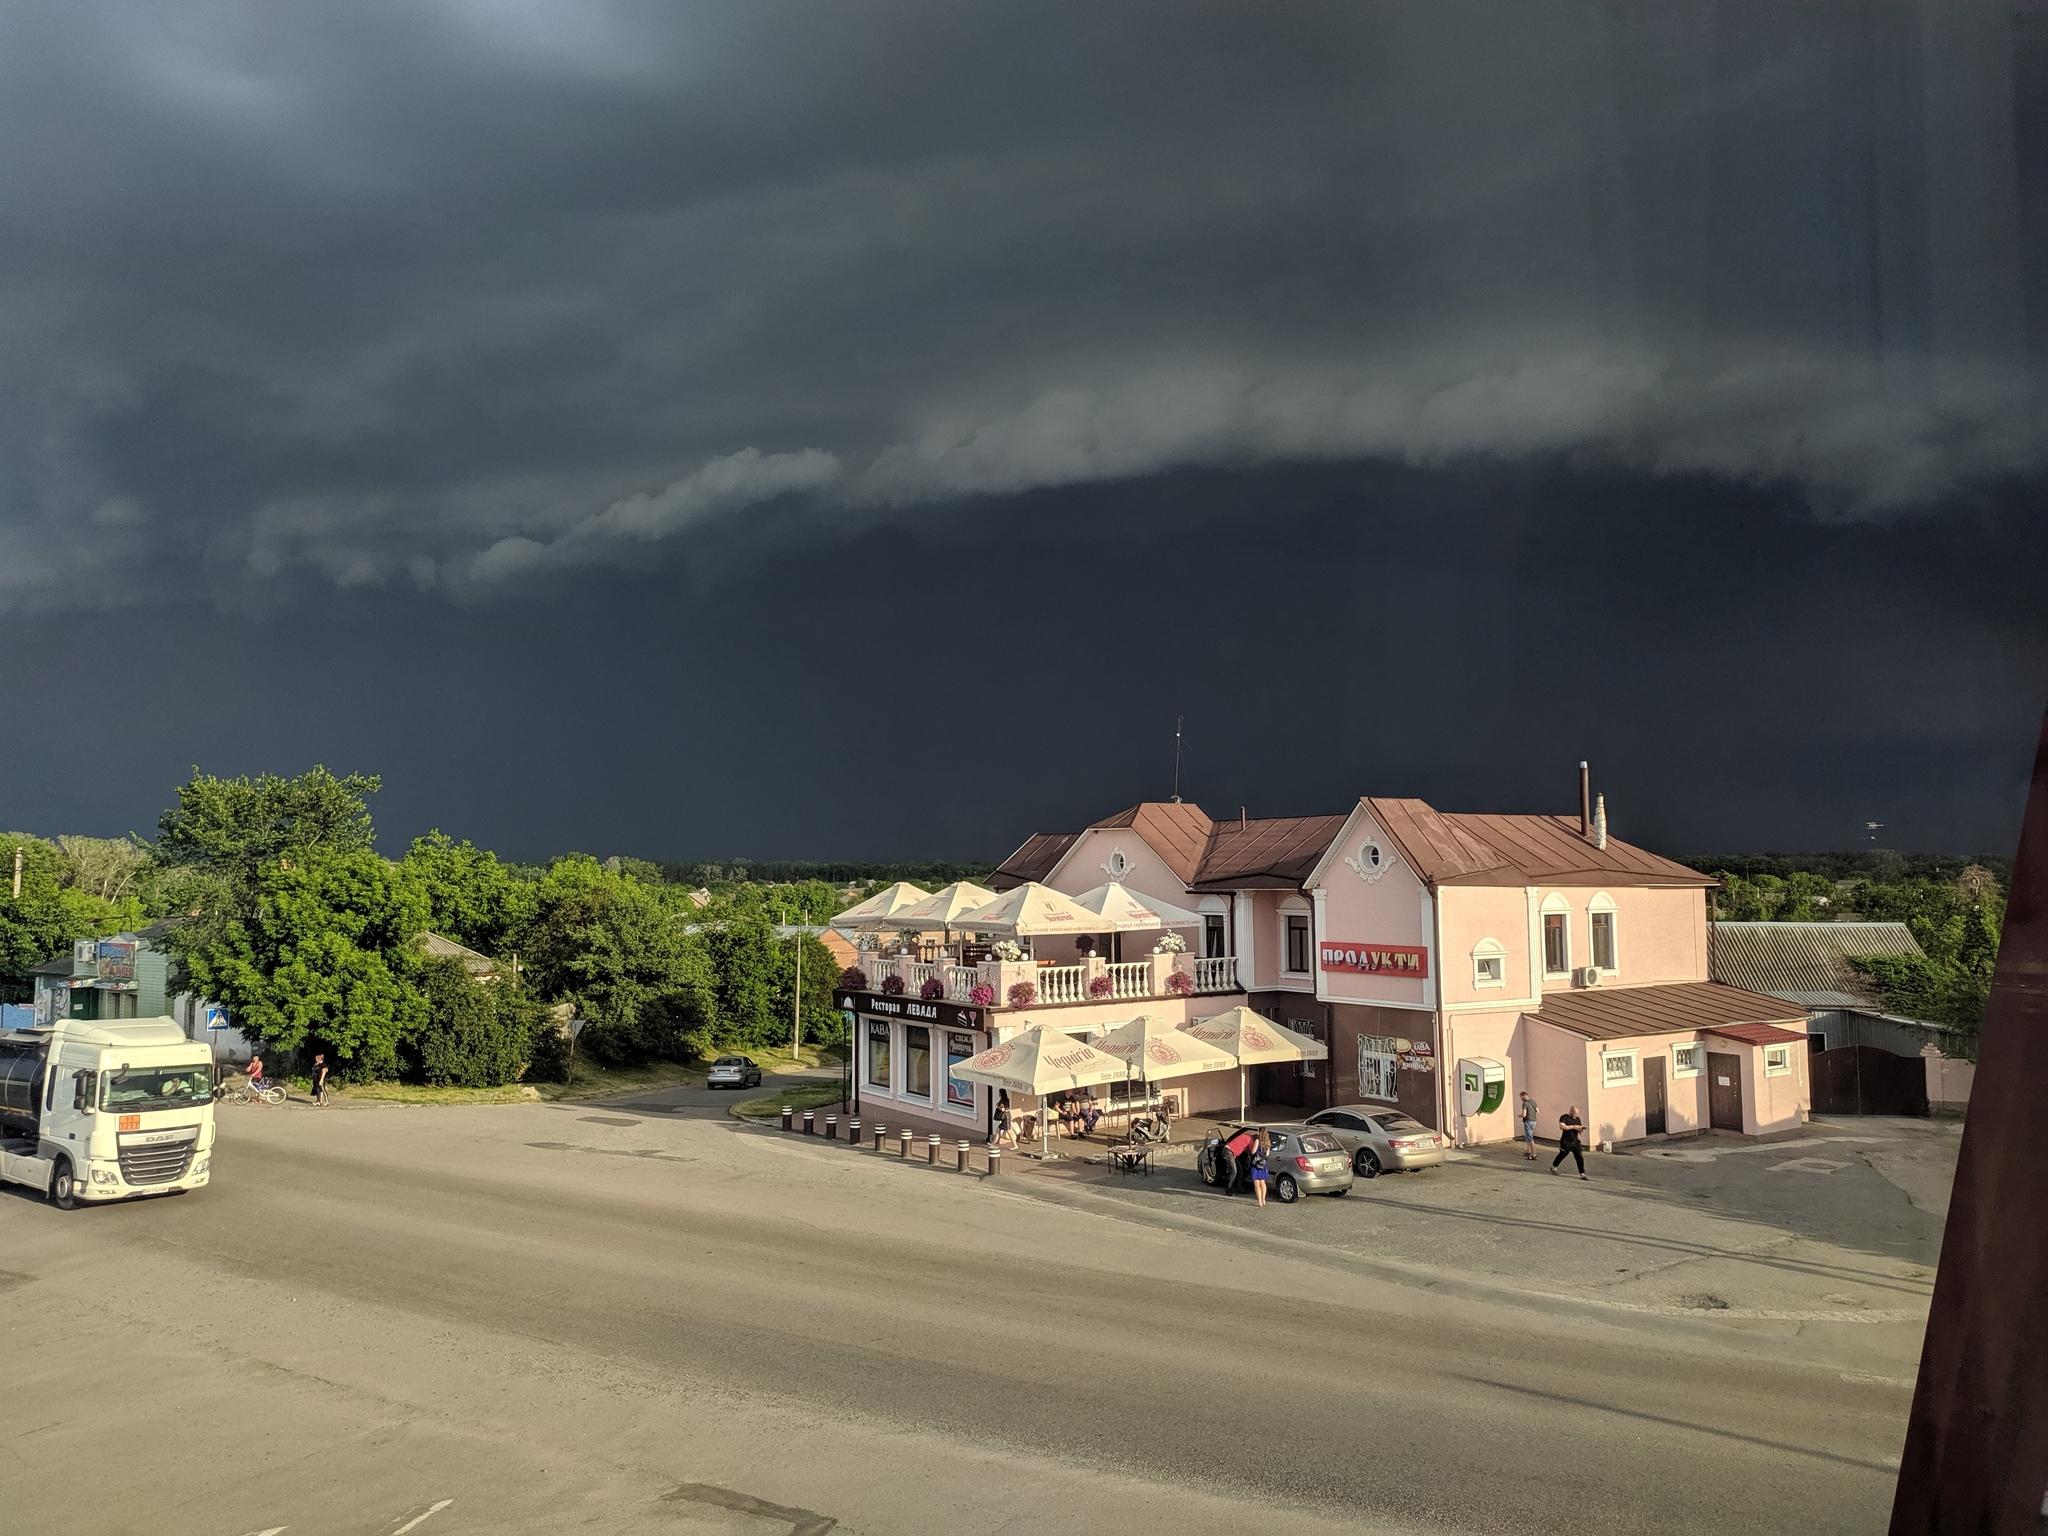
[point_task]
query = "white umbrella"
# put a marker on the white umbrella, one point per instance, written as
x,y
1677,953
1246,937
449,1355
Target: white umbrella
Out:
x,y
871,916
1252,1039
942,909
1155,1048
1039,1061
1125,911
1031,911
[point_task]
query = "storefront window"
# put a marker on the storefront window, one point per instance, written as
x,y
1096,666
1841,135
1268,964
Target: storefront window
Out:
x,y
878,1054
1314,1031
917,1061
959,1092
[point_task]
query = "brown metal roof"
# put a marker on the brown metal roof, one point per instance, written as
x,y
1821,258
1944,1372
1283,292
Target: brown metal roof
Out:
x,y
1275,852
1619,1013
1435,846
1176,831
1033,861
1549,850
1760,1034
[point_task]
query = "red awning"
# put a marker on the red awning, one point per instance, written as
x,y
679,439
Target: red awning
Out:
x,y
1758,1034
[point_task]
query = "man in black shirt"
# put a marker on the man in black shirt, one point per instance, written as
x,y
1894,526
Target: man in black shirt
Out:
x,y
319,1079
1569,1125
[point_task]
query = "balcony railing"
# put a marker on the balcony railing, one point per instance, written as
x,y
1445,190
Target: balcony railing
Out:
x,y
1057,986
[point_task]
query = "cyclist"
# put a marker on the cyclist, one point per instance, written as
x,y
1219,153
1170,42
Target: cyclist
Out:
x,y
256,1083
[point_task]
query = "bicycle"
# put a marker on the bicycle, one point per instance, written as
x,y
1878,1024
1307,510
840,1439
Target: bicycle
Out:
x,y
243,1093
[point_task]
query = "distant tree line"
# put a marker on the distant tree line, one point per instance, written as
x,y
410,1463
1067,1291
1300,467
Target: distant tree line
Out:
x,y
276,904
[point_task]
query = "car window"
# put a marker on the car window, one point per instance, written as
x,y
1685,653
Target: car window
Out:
x,y
727,1061
1354,1122
1398,1124
1323,1143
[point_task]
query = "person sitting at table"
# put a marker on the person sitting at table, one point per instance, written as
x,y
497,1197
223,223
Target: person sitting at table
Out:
x,y
1087,1112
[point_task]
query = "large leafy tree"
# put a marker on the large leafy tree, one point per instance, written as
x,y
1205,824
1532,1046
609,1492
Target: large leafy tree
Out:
x,y
52,911
325,959
471,896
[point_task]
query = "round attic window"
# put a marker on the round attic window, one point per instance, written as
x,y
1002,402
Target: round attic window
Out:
x,y
1370,861
1118,866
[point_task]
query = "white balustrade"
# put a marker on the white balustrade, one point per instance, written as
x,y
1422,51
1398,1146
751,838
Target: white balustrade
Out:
x,y
961,980
1062,983
1131,979
1216,975
920,973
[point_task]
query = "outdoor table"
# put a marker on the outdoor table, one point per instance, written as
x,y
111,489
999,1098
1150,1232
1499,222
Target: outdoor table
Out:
x,y
1132,1158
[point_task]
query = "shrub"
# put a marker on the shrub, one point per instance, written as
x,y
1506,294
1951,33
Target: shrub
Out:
x,y
933,990
892,986
854,979
478,1034
1180,984
1101,986
983,996
550,1058
1024,994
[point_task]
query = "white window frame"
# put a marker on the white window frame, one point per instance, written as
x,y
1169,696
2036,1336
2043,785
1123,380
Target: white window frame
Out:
x,y
1287,916
1699,1059
1609,1080
1386,1064
1784,1055
1602,903
1483,951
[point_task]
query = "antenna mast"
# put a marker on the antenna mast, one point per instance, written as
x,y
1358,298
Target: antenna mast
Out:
x,y
1178,720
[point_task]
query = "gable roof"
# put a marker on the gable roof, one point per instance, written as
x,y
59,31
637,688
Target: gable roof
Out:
x,y
1806,963
1033,861
1619,1013
1276,852
1176,831
1466,848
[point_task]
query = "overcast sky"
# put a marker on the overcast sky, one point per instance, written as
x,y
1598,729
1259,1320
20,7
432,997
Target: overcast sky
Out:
x,y
861,431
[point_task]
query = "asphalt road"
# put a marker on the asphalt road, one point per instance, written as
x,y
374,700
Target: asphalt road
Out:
x,y
548,1318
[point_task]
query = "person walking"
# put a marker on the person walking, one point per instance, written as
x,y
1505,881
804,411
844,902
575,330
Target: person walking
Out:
x,y
1528,1126
1569,1128
1256,1156
319,1078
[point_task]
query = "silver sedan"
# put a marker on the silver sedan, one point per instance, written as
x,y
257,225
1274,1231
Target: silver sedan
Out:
x,y
1382,1140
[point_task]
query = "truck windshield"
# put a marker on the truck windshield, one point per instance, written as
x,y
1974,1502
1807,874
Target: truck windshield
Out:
x,y
139,1088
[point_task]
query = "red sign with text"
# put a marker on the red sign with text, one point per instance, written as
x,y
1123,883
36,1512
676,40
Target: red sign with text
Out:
x,y
1410,960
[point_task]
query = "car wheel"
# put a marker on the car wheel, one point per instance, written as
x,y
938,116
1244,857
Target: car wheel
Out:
x,y
63,1188
1285,1190
1367,1164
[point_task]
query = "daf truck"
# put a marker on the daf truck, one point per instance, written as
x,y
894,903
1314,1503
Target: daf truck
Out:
x,y
105,1110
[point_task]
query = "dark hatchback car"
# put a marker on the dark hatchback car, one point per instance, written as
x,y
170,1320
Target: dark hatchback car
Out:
x,y
733,1072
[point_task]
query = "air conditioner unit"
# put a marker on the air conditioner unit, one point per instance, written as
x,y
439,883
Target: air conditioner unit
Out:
x,y
1586,976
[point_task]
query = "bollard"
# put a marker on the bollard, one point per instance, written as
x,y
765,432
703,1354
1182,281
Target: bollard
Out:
x,y
853,1133
995,1161
786,1113
831,1127
810,1122
931,1152
881,1135
903,1148
961,1150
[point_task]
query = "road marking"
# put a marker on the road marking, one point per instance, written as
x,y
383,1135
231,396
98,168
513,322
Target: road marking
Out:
x,y
418,1519
275,1530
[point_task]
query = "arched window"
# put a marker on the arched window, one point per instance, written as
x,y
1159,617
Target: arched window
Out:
x,y
1489,963
1603,923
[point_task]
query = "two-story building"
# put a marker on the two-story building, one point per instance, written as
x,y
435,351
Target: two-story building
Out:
x,y
1450,961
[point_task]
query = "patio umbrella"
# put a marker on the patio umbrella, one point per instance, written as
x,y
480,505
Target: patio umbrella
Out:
x,y
1039,1061
1252,1039
942,909
1031,911
871,916
1125,911
1153,1048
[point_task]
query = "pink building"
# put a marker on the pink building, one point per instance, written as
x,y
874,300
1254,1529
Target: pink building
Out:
x,y
1452,961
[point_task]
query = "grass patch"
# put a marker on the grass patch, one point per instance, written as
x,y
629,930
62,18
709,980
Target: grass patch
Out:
x,y
590,1080
423,1093
801,1097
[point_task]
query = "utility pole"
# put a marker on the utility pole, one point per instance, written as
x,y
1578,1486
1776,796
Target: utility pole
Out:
x,y
796,1034
17,871
1178,722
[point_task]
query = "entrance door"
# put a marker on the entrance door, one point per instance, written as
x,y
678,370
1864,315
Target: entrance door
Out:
x,y
1653,1095
1724,1092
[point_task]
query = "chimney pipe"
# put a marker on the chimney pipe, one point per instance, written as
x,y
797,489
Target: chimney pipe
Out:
x,y
1585,801
1599,821
1244,822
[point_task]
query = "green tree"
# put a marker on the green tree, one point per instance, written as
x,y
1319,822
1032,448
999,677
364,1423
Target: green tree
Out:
x,y
822,1024
742,954
471,897
326,959
50,913
1806,898
477,1034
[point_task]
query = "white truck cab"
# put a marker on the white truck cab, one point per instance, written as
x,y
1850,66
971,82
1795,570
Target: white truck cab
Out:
x,y
105,1110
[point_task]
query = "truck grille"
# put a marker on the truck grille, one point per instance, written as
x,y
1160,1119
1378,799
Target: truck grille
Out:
x,y
158,1164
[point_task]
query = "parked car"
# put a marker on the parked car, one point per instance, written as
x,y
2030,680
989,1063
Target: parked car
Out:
x,y
1300,1160
1382,1140
733,1072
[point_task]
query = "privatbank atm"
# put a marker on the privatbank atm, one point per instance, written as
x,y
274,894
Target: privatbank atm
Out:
x,y
1482,1084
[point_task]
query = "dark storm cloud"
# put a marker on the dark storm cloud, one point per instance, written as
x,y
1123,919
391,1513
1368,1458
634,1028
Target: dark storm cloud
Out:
x,y
453,297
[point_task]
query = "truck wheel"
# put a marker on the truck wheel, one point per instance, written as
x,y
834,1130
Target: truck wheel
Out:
x,y
63,1189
